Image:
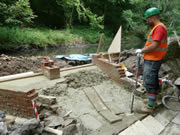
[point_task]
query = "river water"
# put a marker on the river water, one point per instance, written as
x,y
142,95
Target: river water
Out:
x,y
75,49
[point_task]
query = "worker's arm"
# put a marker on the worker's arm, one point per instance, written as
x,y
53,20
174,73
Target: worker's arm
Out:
x,y
151,47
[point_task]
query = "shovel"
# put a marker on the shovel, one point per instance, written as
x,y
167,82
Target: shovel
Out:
x,y
137,75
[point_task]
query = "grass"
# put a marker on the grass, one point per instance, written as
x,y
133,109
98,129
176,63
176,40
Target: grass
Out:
x,y
15,37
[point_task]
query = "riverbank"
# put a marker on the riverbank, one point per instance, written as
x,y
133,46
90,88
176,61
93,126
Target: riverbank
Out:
x,y
16,38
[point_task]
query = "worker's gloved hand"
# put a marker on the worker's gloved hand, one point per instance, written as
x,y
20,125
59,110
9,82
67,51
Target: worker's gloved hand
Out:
x,y
138,52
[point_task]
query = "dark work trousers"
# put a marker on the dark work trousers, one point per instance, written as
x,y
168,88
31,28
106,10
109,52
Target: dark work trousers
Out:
x,y
150,76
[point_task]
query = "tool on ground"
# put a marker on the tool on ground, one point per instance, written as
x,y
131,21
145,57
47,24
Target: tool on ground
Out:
x,y
137,75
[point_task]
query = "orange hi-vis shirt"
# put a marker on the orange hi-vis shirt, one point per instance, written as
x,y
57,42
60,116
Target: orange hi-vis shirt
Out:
x,y
160,52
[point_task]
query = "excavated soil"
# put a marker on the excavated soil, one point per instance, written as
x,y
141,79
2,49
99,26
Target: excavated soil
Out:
x,y
76,80
12,65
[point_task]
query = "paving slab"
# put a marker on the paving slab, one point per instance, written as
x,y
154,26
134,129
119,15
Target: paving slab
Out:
x,y
176,120
172,129
153,125
137,129
165,116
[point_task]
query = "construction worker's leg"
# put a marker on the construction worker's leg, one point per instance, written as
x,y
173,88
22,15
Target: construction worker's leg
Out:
x,y
152,97
150,80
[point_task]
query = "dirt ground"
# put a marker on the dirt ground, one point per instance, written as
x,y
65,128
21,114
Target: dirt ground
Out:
x,y
12,65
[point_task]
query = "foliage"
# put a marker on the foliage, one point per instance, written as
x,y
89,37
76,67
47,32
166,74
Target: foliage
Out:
x,y
16,12
94,17
15,37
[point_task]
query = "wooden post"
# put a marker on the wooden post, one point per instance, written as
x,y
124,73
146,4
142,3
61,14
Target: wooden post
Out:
x,y
100,43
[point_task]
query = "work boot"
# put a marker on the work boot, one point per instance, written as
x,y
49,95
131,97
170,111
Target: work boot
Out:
x,y
145,110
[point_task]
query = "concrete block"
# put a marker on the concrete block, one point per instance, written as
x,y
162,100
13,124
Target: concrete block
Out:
x,y
49,100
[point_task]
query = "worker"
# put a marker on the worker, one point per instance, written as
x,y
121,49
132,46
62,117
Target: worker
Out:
x,y
154,51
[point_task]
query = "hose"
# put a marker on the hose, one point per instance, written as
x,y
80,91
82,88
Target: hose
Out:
x,y
168,107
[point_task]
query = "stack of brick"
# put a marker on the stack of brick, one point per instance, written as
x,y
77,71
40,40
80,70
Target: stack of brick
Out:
x,y
113,70
18,102
50,70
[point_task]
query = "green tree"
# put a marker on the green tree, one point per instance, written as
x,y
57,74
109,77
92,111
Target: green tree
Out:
x,y
16,12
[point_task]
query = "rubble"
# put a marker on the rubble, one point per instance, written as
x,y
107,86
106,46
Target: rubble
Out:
x,y
49,100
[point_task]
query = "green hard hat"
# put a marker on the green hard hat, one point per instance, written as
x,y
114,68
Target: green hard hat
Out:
x,y
151,11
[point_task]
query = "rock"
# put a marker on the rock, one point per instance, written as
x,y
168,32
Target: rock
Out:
x,y
20,121
30,127
57,109
49,100
2,116
165,68
177,82
10,120
3,128
58,121
50,119
70,130
69,122
44,114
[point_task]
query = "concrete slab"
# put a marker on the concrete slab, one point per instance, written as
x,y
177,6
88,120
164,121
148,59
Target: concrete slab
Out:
x,y
153,125
38,82
136,129
90,122
176,120
165,116
172,129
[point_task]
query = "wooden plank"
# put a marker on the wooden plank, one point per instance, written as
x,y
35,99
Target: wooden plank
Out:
x,y
153,125
107,100
116,43
18,76
109,116
100,107
94,99
136,129
100,43
76,67
114,108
